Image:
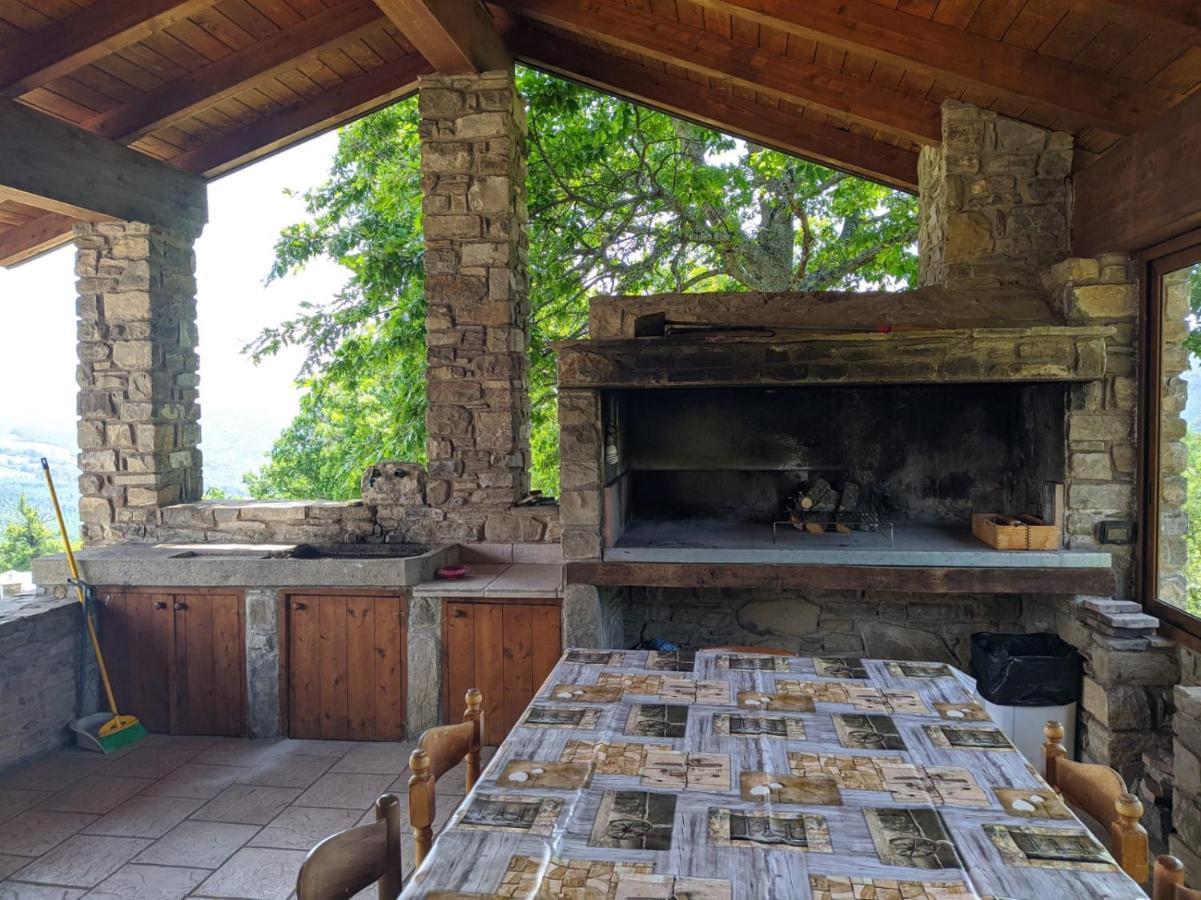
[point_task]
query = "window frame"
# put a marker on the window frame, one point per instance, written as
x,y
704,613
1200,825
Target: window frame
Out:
x,y
1155,263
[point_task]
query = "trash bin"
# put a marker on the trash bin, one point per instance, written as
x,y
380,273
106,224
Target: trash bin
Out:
x,y
1024,680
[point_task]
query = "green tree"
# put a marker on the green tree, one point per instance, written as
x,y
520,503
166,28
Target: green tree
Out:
x,y
26,537
622,200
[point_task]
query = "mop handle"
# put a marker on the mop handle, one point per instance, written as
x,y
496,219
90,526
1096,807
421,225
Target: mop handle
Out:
x,y
74,568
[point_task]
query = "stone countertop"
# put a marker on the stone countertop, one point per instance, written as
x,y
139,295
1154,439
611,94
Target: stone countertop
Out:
x,y
499,581
236,565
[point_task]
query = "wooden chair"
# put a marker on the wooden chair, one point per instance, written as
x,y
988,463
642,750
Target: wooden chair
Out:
x,y
439,750
1168,881
763,651
1101,793
349,861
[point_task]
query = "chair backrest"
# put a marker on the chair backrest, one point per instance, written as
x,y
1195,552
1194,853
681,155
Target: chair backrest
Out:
x,y
349,861
438,751
1168,881
762,651
1101,793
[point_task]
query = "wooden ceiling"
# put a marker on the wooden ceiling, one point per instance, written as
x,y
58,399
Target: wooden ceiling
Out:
x,y
210,86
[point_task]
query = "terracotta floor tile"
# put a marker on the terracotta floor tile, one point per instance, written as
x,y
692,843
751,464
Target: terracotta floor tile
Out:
x,y
292,771
148,817
300,827
376,758
35,832
148,883
82,861
198,781
150,762
15,890
241,752
255,873
185,741
96,794
204,844
345,791
247,804
319,748
53,773
15,800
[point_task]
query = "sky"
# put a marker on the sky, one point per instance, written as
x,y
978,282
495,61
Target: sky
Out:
x,y
246,212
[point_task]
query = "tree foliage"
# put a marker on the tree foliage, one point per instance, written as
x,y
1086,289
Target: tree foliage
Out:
x,y
622,200
25,538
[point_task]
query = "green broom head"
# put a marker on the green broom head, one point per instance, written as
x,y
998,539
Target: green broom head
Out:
x,y
120,732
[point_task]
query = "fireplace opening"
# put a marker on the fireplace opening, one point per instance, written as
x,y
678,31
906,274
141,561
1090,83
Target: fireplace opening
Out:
x,y
894,466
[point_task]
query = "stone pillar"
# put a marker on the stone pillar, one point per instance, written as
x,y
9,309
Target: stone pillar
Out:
x,y
994,201
473,160
139,420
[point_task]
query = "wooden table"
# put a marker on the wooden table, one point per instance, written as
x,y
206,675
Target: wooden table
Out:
x,y
717,776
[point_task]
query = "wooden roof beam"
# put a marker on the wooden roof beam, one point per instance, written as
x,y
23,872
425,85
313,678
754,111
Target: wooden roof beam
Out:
x,y
1093,98
23,243
821,143
312,116
1153,15
714,55
60,168
454,36
92,33
224,78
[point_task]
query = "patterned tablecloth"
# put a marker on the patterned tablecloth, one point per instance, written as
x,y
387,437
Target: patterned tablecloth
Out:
x,y
717,776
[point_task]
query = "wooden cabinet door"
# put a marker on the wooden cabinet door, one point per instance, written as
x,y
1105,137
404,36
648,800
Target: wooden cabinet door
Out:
x,y
208,685
506,649
135,638
345,668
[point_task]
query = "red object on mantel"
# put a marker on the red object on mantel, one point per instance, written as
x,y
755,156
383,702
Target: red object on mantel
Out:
x,y
452,573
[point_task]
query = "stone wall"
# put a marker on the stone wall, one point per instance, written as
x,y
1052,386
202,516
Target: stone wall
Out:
x,y
139,420
1173,458
995,201
39,660
1185,842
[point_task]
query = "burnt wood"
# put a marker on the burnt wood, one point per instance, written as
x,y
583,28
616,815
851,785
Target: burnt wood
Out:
x,y
897,579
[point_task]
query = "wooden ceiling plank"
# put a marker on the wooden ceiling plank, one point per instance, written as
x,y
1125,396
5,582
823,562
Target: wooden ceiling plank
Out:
x,y
329,109
18,245
455,36
1094,98
716,109
84,37
1152,15
716,56
225,78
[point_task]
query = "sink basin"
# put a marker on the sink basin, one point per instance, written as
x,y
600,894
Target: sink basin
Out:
x,y
357,551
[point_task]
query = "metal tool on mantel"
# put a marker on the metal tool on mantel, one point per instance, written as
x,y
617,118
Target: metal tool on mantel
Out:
x,y
106,732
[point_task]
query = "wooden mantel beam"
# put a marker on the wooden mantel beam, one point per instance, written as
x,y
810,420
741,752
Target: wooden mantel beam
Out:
x,y
454,36
1092,97
83,37
843,150
1143,191
63,169
714,55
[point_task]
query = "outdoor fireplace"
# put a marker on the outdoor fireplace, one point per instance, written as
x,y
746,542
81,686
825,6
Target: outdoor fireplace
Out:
x,y
714,468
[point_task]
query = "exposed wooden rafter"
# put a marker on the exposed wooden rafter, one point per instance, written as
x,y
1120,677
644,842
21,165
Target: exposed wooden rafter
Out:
x,y
33,238
714,55
1091,97
84,37
63,169
314,115
455,36
283,50
819,142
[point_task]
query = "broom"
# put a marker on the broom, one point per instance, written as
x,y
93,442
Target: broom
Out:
x,y
119,731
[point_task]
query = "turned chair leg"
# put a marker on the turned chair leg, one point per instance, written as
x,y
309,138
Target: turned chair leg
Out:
x,y
1129,839
474,714
421,805
1053,749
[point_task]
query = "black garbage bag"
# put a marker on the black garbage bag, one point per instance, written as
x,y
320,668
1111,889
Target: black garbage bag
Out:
x,y
1025,669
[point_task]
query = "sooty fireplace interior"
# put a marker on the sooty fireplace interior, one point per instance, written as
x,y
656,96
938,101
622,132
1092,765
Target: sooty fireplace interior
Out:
x,y
888,465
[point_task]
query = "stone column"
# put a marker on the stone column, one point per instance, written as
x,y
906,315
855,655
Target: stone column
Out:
x,y
139,420
994,201
473,160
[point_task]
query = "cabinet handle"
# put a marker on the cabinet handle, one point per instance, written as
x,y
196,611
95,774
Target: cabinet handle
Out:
x,y
297,605
160,604
179,606
459,614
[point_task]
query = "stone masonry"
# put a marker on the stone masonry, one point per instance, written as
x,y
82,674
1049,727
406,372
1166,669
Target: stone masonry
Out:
x,y
139,419
473,163
1185,841
994,201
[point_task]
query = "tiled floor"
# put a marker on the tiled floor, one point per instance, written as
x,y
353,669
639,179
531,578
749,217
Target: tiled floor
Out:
x,y
190,817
